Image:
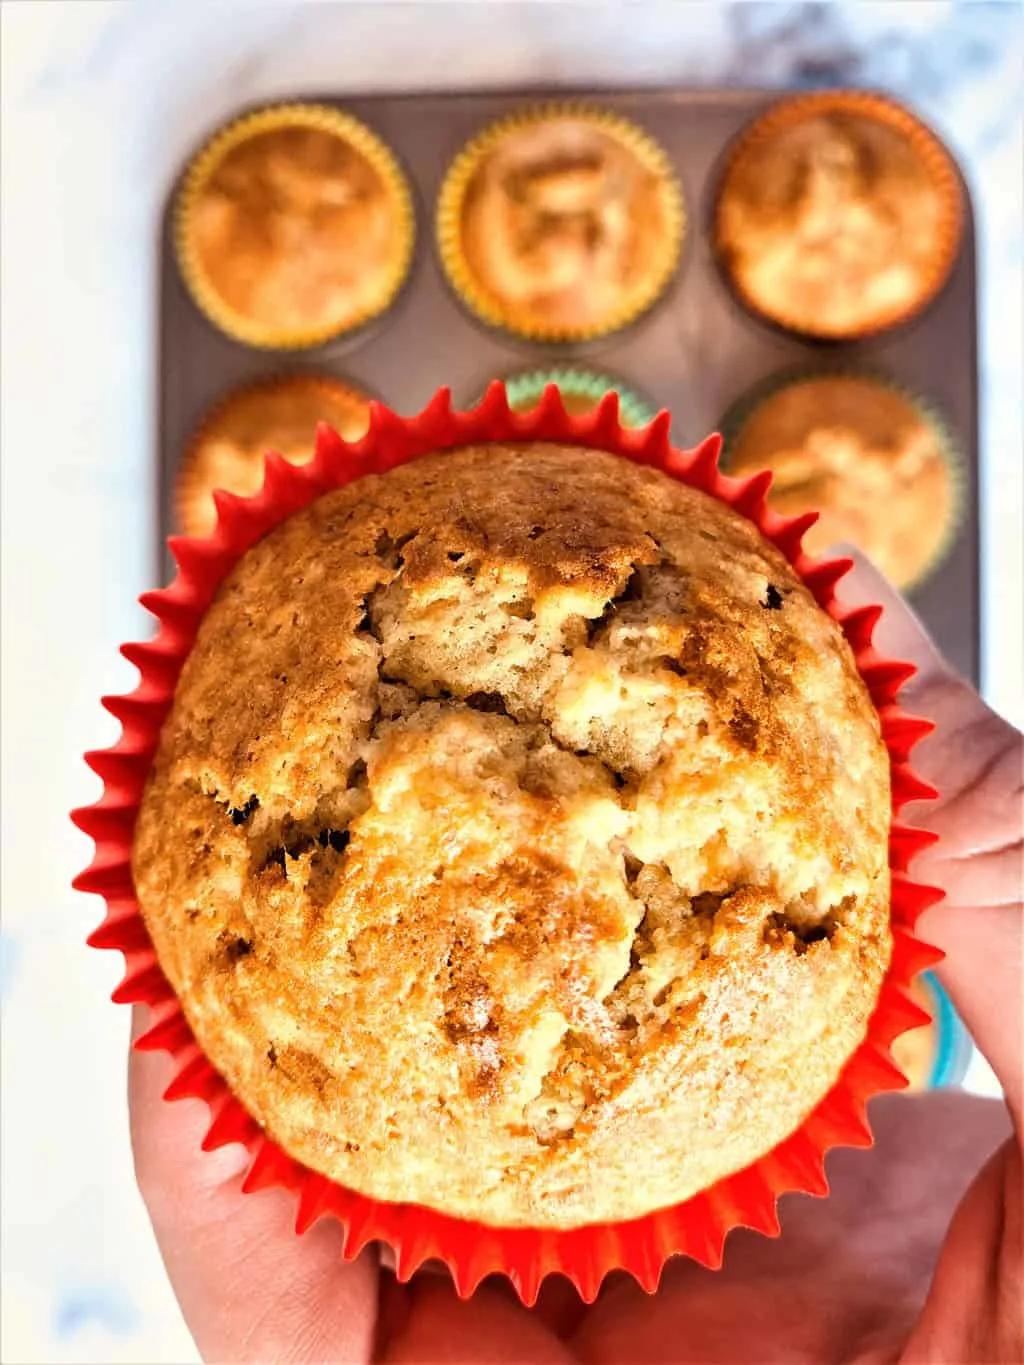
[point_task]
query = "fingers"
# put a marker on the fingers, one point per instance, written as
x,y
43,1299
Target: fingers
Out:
x,y
490,1328
975,1308
976,760
974,755
249,1288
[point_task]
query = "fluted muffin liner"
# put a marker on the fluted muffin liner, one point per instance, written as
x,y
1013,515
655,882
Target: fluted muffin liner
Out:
x,y
187,487
949,449
935,157
696,1228
525,389
487,306
323,118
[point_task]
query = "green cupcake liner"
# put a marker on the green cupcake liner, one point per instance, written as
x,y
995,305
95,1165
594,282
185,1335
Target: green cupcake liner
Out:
x,y
525,389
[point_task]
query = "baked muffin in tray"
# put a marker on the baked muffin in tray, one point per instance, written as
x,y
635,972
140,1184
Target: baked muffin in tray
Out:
x,y
876,462
229,447
582,389
560,224
839,214
294,225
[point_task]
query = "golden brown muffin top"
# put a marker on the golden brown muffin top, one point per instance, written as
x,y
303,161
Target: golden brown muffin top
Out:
x,y
836,223
296,229
517,841
229,448
563,225
865,457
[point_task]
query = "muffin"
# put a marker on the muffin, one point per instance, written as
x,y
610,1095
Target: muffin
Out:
x,y
839,214
581,390
292,226
561,225
229,447
875,463
518,846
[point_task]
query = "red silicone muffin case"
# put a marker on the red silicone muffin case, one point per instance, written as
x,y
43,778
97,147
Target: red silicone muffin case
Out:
x,y
696,1228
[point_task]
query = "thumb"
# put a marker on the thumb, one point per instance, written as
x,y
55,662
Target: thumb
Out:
x,y
249,1288
976,760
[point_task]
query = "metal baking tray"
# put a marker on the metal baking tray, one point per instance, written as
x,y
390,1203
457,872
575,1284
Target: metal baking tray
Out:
x,y
694,353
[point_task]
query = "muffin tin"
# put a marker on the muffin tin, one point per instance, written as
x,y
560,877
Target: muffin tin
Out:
x,y
695,352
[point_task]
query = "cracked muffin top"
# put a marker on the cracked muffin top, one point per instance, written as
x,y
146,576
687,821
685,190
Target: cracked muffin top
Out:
x,y
517,840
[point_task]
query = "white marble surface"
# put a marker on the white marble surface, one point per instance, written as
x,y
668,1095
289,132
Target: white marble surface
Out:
x,y
100,103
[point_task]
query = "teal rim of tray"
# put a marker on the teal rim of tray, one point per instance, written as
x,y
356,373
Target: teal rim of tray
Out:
x,y
953,1046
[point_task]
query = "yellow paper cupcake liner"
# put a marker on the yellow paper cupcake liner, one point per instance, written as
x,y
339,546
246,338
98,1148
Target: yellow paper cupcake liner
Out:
x,y
494,311
192,491
326,119
949,451
941,168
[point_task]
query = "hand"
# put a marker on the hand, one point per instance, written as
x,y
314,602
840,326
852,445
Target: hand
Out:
x,y
848,1280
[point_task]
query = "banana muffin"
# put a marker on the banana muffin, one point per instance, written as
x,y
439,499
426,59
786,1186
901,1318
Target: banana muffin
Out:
x,y
874,462
562,226
293,225
517,840
281,414
839,215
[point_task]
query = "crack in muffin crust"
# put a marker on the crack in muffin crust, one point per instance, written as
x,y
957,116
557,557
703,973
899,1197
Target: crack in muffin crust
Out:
x,y
517,842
